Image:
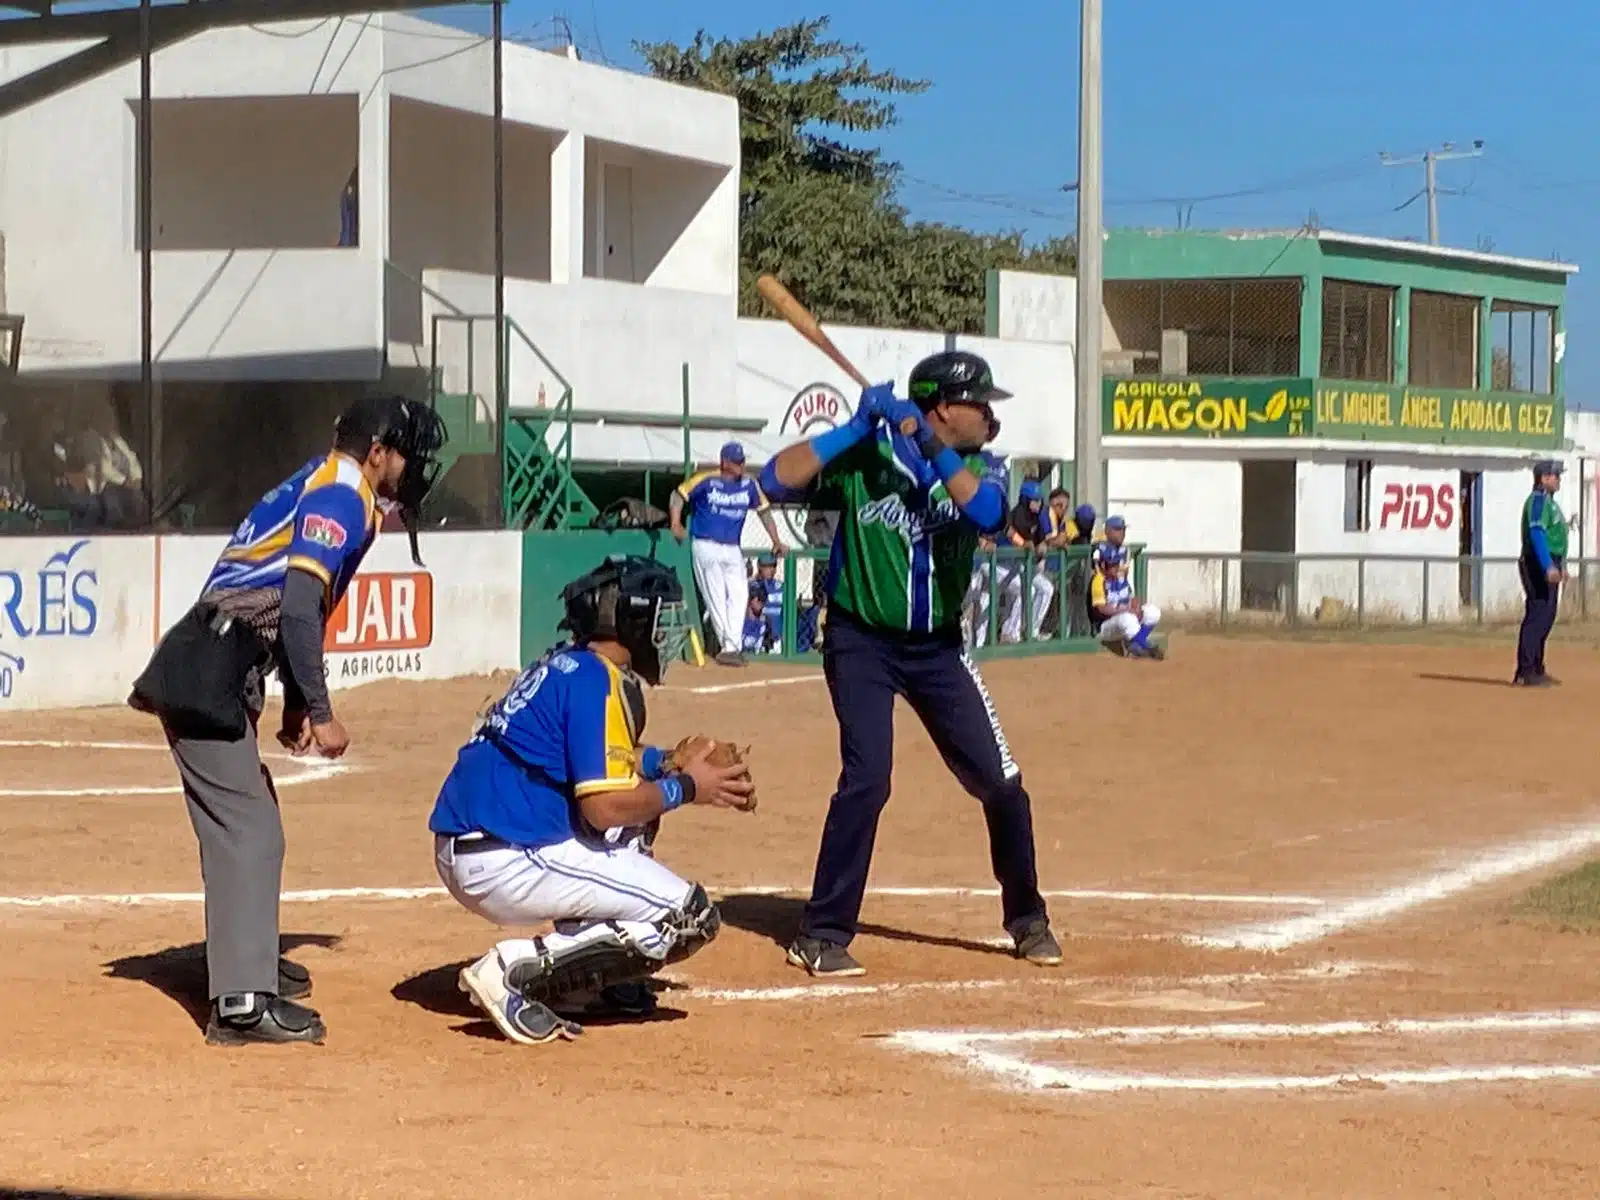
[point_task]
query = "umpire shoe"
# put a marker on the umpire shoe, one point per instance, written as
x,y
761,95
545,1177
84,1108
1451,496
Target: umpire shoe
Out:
x,y
1036,944
294,981
254,1017
818,957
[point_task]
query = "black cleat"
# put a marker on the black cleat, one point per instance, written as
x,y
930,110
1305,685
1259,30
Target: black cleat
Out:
x,y
294,981
1036,944
817,957
252,1017
636,999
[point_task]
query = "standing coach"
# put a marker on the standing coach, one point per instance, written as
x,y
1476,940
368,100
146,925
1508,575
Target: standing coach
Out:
x,y
718,502
264,607
1542,566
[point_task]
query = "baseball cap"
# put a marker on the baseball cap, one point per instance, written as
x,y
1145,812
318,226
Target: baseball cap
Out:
x,y
767,560
1116,523
1084,514
1548,466
731,452
1030,490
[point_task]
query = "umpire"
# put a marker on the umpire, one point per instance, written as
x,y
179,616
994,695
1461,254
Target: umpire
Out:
x,y
264,608
905,479
1543,570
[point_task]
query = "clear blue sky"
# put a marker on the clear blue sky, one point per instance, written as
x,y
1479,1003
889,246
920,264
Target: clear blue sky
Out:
x,y
1291,101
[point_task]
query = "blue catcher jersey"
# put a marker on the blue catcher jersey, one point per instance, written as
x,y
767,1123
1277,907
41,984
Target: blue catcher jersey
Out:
x,y
718,506
322,519
564,730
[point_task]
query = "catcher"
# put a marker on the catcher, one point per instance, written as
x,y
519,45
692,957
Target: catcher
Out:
x,y
550,815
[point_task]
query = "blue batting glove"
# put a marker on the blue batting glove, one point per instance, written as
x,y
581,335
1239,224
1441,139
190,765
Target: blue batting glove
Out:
x,y
874,401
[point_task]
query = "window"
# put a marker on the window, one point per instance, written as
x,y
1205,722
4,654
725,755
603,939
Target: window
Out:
x,y
1523,340
1444,340
1229,327
1357,495
1357,331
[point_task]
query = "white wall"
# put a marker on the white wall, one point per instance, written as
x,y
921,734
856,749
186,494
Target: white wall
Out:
x,y
1188,506
460,614
77,618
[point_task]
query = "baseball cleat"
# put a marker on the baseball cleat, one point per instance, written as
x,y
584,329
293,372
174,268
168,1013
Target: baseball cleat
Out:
x,y
1036,944
817,957
525,1021
294,981
252,1017
619,1000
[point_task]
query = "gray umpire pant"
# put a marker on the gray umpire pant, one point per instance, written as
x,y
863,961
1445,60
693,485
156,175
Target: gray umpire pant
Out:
x,y
234,810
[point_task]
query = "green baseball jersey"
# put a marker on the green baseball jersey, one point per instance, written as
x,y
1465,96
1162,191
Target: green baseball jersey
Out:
x,y
902,554
1540,511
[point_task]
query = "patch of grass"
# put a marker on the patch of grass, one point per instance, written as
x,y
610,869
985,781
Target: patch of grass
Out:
x,y
1570,901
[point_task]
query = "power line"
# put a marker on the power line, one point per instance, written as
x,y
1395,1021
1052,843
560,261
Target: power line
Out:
x,y
1430,159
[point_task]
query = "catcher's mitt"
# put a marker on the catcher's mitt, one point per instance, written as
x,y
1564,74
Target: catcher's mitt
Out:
x,y
723,754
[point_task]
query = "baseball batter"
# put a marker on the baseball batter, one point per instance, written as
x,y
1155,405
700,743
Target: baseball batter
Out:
x,y
263,608
911,512
550,814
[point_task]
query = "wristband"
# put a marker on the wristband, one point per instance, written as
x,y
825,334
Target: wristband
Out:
x,y
676,791
651,760
828,446
946,462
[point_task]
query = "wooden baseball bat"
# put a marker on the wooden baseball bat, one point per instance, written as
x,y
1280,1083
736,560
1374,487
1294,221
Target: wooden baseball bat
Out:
x,y
792,311
799,316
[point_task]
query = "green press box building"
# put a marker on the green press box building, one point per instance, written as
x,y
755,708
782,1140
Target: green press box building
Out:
x,y
1321,393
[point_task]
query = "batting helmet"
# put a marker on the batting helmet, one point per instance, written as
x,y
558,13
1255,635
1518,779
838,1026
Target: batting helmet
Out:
x,y
953,377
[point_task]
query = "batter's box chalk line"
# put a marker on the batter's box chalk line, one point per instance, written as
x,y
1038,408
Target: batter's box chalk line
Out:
x,y
309,770
1488,867
995,1053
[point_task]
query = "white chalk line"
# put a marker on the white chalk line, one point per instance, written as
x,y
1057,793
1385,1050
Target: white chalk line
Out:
x,y
1504,863
972,1049
845,991
1130,897
309,770
321,895
716,689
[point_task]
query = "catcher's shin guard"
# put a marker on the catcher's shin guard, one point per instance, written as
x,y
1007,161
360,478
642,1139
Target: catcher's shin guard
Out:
x,y
695,924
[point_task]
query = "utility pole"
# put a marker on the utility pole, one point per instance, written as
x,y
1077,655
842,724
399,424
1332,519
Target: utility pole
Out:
x,y
1086,451
1430,160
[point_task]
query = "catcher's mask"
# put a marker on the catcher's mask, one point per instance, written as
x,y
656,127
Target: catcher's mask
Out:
x,y
412,430
620,601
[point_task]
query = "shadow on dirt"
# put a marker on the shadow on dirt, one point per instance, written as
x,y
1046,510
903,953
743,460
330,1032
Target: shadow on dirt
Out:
x,y
777,918
179,972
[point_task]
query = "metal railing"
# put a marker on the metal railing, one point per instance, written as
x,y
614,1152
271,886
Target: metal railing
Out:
x,y
1003,573
1350,590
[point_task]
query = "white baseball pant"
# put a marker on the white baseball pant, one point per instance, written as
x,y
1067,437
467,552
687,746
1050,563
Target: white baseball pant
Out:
x,y
575,886
724,589
1125,626
1010,591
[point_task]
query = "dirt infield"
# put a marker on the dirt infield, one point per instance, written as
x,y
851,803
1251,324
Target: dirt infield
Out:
x,y
1283,870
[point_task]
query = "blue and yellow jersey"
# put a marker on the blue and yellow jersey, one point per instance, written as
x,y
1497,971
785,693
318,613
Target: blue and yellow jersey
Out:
x,y
565,729
717,506
1104,590
322,519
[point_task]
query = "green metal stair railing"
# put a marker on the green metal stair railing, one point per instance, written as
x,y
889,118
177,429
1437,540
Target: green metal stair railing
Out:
x,y
538,490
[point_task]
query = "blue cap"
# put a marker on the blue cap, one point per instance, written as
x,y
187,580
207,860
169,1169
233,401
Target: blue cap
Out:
x,y
1030,490
1084,514
1549,466
767,560
1116,523
731,452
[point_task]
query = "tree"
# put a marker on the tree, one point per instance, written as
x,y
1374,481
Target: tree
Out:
x,y
819,210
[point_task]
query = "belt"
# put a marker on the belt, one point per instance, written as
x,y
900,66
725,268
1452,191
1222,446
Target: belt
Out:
x,y
477,843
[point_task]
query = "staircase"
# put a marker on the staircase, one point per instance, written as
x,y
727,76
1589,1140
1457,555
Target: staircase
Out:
x,y
537,488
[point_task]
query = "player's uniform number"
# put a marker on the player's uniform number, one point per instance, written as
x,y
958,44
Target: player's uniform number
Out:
x,y
518,698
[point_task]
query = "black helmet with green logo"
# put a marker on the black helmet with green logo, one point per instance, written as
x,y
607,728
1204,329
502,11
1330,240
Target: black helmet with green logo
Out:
x,y
953,377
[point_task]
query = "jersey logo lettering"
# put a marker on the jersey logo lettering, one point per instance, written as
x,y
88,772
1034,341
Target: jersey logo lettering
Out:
x,y
323,531
891,511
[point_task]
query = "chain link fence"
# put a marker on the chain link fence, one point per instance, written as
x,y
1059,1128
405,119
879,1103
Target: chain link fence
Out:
x,y
1217,327
1352,591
